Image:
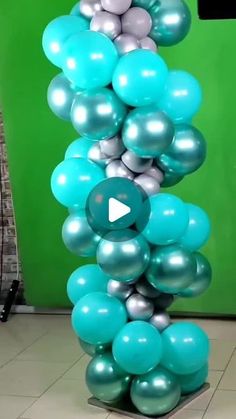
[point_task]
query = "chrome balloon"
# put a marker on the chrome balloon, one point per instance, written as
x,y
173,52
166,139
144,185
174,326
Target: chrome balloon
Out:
x,y
118,7
148,43
186,153
126,43
202,279
161,320
137,21
93,350
119,289
106,23
139,307
145,4
172,269
171,22
97,156
118,169
60,96
106,380
135,163
156,393
155,173
171,179
88,8
164,301
146,289
113,147
148,184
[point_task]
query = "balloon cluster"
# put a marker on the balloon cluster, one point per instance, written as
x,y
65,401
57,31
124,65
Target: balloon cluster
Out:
x,y
134,117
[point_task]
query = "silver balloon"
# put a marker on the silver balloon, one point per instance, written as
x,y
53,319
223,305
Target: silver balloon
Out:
x,y
88,8
156,174
148,184
146,289
161,320
78,236
126,43
106,23
148,43
120,290
97,156
113,147
136,164
118,7
118,169
139,307
137,21
60,96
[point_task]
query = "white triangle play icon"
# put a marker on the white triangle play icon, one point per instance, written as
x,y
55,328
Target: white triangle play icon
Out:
x,y
117,210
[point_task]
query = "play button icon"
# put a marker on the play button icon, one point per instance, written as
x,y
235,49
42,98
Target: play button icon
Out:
x,y
117,210
116,204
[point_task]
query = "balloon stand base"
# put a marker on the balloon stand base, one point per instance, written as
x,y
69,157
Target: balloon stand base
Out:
x,y
126,408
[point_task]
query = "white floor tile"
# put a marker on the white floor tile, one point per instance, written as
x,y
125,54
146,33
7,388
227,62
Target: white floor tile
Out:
x,y
222,406
77,372
221,352
11,406
228,381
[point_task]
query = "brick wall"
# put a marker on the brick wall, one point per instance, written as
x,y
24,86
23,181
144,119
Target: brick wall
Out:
x,y
7,228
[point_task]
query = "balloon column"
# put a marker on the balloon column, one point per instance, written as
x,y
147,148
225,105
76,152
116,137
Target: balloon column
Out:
x,y
134,119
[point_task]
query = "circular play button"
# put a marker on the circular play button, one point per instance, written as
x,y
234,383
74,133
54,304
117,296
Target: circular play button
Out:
x,y
116,204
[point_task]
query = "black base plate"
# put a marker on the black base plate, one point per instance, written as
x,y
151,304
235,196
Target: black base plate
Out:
x,y
127,409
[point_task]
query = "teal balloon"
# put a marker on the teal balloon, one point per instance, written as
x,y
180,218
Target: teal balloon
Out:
x,y
60,96
171,179
155,393
193,382
186,153
73,180
140,77
145,4
123,255
202,280
171,22
79,148
84,281
106,380
172,269
148,132
58,32
137,348
186,348
78,236
98,317
168,219
198,230
93,350
89,60
98,114
182,96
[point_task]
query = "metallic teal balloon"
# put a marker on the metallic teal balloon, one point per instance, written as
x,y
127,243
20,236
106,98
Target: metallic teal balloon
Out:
x,y
138,347
98,114
171,22
123,255
168,219
155,393
93,350
145,4
198,230
192,382
98,317
84,280
186,348
58,32
73,180
170,179
172,269
140,77
182,96
78,236
79,148
60,96
148,132
106,380
89,59
202,280
186,153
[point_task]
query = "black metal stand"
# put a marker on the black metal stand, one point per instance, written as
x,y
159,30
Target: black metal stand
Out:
x,y
127,408
9,301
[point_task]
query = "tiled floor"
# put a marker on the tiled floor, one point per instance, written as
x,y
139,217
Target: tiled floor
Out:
x,y
42,372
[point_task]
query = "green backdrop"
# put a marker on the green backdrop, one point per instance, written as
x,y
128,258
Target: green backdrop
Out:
x,y
37,140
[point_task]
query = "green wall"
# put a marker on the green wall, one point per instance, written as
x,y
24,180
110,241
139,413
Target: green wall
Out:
x,y
37,140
